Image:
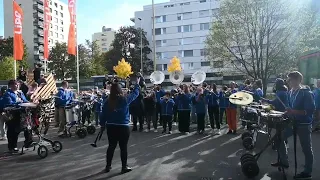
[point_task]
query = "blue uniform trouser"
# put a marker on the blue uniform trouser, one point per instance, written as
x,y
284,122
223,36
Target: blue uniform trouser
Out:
x,y
304,134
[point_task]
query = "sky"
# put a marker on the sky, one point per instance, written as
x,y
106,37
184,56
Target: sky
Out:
x,y
92,15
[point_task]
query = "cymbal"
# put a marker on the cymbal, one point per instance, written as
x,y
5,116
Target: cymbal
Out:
x,y
241,98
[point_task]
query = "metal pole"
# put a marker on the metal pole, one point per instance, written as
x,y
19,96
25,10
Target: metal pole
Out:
x,y
141,46
78,74
154,37
15,69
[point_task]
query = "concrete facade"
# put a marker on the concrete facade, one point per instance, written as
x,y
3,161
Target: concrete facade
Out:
x,y
33,24
104,38
181,28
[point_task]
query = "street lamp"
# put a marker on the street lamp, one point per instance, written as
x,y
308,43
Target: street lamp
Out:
x,y
141,70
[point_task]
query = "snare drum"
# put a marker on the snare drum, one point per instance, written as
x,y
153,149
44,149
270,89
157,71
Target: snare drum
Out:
x,y
248,114
28,105
274,120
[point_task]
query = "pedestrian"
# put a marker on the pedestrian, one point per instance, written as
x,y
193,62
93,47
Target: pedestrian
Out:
x,y
167,105
223,103
115,117
2,117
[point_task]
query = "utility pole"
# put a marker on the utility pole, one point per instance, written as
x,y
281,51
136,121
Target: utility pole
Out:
x,y
141,46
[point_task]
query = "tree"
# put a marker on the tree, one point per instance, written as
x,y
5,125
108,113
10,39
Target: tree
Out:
x,y
61,63
257,37
7,68
6,50
127,45
97,59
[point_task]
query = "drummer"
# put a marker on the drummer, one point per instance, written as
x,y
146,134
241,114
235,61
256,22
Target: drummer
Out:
x,y
257,91
15,97
63,98
301,108
281,102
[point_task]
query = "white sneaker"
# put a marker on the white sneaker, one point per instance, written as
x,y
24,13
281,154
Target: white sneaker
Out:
x,y
60,133
147,130
155,130
218,132
174,124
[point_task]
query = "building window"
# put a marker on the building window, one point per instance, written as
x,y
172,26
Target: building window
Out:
x,y
56,20
164,18
162,67
206,63
56,35
215,12
56,28
51,33
61,14
204,13
55,4
218,64
104,39
56,12
187,28
204,26
104,49
158,43
203,52
158,31
203,1
61,29
164,42
50,10
160,19
61,7
61,22
187,15
187,53
190,65
61,36
50,25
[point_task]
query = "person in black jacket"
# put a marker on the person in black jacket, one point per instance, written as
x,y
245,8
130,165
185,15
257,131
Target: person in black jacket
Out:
x,y
150,105
137,112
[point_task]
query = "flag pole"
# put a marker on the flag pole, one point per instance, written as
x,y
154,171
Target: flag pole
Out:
x,y
15,69
77,58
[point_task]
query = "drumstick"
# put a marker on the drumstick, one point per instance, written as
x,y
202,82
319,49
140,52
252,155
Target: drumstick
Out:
x,y
281,102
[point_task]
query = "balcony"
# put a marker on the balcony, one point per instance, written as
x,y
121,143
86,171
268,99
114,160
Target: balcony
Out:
x,y
38,2
38,7
38,32
38,15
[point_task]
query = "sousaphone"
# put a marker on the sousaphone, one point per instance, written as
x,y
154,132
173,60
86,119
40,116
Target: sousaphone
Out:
x,y
176,77
157,77
198,77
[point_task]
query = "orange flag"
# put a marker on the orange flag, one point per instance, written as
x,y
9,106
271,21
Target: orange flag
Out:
x,y
47,19
17,32
72,29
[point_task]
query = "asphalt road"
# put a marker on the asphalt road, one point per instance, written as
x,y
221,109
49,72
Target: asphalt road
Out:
x,y
153,156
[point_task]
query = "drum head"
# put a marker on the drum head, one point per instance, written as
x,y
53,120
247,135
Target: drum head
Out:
x,y
30,105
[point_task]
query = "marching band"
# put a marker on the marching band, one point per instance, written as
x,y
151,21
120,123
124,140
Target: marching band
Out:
x,y
113,106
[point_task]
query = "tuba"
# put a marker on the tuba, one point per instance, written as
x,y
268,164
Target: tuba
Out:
x,y
157,77
198,77
176,77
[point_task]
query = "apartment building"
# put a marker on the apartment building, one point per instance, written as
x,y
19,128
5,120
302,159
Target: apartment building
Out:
x,y
33,24
181,27
104,38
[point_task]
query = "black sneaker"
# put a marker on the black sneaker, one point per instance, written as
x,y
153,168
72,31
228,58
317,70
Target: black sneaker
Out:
x,y
126,169
164,131
302,176
107,169
229,132
134,129
234,132
277,164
